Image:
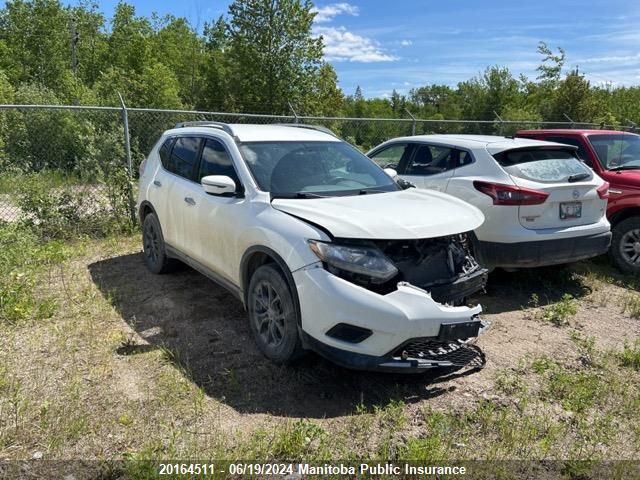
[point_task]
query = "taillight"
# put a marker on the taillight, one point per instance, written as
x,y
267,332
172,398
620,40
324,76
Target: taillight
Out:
x,y
510,194
603,191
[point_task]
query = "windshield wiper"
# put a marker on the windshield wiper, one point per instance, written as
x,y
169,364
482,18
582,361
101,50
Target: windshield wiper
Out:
x,y
364,191
624,167
577,177
298,195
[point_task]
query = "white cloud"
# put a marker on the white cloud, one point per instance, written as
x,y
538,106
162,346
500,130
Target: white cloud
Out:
x,y
343,45
622,59
326,13
406,43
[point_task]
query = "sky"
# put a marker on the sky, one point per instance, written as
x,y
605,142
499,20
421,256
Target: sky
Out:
x,y
382,45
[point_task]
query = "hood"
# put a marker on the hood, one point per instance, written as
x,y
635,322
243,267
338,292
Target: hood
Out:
x,y
402,215
628,178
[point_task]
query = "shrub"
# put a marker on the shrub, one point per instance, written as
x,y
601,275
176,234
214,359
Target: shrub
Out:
x,y
22,259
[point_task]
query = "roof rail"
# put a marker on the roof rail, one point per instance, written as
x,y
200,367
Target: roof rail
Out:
x,y
319,128
219,125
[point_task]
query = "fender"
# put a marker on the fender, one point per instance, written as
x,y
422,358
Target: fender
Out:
x,y
244,281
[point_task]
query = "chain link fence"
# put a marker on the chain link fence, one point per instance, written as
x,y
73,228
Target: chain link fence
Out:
x,y
71,170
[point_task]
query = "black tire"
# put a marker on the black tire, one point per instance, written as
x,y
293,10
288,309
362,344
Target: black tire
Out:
x,y
273,316
155,254
625,245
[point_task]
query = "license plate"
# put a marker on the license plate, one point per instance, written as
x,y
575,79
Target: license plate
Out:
x,y
570,210
459,331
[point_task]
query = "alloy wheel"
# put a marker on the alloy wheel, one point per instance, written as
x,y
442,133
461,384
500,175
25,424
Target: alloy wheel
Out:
x,y
269,315
630,246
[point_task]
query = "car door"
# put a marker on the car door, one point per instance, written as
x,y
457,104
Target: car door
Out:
x,y
218,216
157,191
430,166
182,193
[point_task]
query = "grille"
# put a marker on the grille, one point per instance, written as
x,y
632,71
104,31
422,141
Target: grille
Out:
x,y
458,354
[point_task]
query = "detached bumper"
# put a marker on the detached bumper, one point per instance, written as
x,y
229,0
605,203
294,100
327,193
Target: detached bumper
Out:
x,y
543,253
417,355
387,323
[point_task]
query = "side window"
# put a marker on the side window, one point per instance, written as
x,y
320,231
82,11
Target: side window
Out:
x,y
464,158
430,160
184,157
582,154
165,152
390,155
216,161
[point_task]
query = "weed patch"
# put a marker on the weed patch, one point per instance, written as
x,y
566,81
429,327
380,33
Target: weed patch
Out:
x,y
23,257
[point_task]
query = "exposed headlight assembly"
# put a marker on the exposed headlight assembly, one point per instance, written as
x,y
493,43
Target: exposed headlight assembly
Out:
x,y
361,260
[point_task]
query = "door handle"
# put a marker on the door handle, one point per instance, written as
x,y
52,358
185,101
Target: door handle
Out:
x,y
157,183
189,200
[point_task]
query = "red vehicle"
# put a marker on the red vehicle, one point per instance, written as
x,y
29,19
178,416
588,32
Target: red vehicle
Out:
x,y
615,156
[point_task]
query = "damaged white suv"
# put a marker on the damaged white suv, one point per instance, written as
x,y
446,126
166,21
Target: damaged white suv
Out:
x,y
324,249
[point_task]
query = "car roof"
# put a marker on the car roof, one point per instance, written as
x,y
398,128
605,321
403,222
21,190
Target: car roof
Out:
x,y
493,143
573,131
262,133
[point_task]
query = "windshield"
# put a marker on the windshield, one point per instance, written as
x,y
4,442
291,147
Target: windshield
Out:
x,y
617,152
313,169
544,165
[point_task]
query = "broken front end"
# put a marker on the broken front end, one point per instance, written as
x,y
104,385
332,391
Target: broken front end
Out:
x,y
392,303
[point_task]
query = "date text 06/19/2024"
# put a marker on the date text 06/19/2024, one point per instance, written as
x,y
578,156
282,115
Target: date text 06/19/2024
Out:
x,y
251,468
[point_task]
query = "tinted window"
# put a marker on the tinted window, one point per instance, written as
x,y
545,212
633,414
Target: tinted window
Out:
x,y
165,152
430,159
184,157
390,155
542,165
582,154
464,158
216,161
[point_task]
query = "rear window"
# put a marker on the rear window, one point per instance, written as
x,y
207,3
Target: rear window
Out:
x,y
543,165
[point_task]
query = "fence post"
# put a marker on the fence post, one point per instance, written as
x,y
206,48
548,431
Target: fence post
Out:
x,y
499,118
573,124
413,123
295,115
127,148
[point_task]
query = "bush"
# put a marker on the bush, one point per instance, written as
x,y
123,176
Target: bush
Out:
x,y
22,258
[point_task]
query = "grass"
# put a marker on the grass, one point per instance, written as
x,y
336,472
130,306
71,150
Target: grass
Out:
x,y
23,260
65,392
632,305
48,180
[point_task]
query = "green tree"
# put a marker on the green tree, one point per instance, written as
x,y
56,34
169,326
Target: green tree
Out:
x,y
34,41
551,67
274,58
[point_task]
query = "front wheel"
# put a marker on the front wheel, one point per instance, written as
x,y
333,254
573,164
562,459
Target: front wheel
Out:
x,y
625,245
272,315
153,248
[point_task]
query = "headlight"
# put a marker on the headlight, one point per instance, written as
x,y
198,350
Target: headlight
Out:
x,y
367,261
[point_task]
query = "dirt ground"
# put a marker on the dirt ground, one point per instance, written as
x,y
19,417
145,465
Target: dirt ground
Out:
x,y
147,365
207,329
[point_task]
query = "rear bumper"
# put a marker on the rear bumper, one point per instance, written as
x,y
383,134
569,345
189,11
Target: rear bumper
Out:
x,y
543,253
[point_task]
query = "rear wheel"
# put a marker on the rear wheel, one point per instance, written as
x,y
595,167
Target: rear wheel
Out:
x,y
155,254
625,245
272,315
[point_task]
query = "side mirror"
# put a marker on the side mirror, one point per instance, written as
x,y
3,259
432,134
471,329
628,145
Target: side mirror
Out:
x,y
391,172
218,184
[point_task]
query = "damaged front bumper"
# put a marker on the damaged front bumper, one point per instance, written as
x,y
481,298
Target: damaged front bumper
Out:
x,y
405,330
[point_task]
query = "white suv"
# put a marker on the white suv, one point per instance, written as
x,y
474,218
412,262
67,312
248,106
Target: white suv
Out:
x,y
323,248
542,205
